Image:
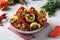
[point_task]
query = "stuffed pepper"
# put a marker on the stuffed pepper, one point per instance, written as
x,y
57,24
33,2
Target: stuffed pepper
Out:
x,y
42,19
13,20
21,12
22,25
34,26
9,1
3,5
41,11
32,10
30,17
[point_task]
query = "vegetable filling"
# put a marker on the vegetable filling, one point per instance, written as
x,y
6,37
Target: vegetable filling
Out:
x,y
21,26
30,17
34,27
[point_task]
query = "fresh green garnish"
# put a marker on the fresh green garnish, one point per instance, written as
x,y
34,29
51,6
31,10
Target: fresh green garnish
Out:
x,y
51,7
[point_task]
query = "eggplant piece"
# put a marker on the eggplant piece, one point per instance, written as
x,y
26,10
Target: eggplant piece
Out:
x,y
21,26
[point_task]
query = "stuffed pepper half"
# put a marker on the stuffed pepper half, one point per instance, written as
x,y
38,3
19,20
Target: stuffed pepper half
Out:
x,y
34,26
41,11
30,17
13,20
42,19
21,12
32,10
22,25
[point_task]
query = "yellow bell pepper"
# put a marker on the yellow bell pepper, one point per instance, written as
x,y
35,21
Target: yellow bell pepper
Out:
x,y
41,11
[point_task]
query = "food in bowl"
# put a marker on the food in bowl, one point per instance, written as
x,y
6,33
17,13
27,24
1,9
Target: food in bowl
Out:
x,y
34,26
13,20
22,11
30,17
22,25
32,10
28,20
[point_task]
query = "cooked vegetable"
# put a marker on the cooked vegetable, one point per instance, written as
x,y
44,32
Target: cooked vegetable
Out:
x,y
34,26
50,7
9,1
22,25
13,20
29,20
3,5
42,19
30,17
32,10
21,12
41,11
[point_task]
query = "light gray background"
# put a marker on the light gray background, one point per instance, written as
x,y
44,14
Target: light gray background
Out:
x,y
6,34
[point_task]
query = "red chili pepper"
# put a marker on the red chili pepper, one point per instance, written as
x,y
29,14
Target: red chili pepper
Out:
x,y
1,18
55,32
3,5
32,10
26,24
42,19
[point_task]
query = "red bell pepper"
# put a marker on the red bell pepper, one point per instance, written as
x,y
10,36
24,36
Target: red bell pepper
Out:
x,y
32,10
42,19
26,25
21,12
3,5
55,32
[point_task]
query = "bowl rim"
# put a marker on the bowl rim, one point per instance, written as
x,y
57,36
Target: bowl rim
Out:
x,y
29,32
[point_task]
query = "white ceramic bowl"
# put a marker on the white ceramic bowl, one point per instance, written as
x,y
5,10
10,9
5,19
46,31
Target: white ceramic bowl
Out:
x,y
35,31
29,32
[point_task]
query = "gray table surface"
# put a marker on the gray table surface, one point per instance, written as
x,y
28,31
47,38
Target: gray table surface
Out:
x,y
6,34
